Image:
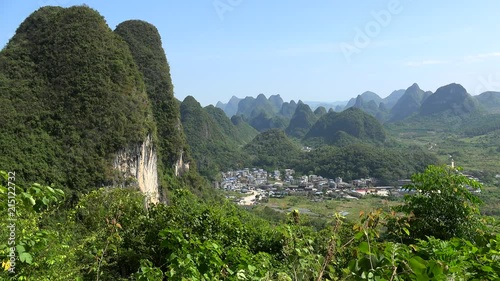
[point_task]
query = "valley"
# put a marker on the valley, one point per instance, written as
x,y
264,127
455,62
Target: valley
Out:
x,y
106,174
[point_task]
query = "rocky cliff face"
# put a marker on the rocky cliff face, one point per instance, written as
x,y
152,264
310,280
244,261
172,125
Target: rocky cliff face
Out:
x,y
137,165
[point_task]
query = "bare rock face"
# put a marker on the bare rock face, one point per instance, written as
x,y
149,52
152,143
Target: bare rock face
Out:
x,y
137,165
181,167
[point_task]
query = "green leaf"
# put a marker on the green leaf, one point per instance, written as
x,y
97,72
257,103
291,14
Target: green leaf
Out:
x,y
50,189
241,275
29,197
486,268
20,249
406,231
4,175
417,264
358,235
26,257
364,248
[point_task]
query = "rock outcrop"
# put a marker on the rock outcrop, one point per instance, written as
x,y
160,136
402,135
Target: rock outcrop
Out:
x,y
181,167
137,165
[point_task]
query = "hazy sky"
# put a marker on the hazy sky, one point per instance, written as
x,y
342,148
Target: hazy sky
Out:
x,y
322,50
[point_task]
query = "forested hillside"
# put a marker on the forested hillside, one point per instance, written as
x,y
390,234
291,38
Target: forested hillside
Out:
x,y
363,160
451,99
272,149
235,128
353,122
144,43
213,139
302,121
408,104
490,101
71,96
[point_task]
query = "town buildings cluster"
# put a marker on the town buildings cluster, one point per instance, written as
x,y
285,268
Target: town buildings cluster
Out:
x,y
283,183
262,184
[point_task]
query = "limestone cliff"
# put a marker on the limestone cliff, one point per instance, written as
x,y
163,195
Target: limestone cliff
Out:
x,y
181,167
137,165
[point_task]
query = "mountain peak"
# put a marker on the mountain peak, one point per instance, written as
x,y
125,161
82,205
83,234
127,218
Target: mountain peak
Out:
x,y
408,104
450,99
261,97
352,122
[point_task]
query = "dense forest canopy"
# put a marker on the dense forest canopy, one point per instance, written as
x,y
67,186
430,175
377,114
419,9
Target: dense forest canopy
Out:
x,y
144,43
71,96
352,121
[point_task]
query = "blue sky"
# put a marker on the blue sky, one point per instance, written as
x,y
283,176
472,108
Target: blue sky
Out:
x,y
323,50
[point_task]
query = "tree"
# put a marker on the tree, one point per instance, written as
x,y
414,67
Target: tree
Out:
x,y
442,205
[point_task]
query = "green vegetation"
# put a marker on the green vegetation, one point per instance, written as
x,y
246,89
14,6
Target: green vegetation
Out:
x,y
356,161
231,108
251,107
264,121
351,121
322,211
302,121
272,149
450,99
71,96
245,131
320,111
371,107
144,42
288,109
478,154
443,206
211,146
490,101
481,125
110,235
408,104
237,130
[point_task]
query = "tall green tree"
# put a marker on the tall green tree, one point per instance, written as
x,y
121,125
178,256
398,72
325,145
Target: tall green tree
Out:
x,y
442,205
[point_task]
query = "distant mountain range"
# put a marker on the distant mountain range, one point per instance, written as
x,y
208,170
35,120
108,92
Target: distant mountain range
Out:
x,y
269,131
400,104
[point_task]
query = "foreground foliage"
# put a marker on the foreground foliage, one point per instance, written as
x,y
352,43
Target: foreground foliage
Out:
x,y
111,235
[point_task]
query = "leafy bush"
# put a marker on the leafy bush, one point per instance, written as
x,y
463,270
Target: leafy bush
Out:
x,y
442,206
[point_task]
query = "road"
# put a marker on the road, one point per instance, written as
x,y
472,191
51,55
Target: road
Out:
x,y
247,200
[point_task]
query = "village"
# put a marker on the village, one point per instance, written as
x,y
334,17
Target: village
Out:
x,y
257,185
